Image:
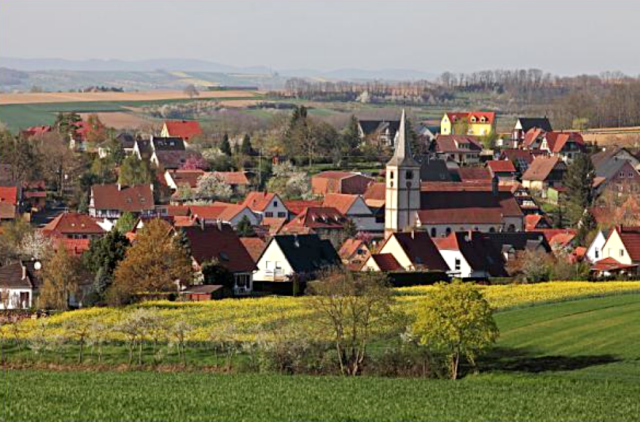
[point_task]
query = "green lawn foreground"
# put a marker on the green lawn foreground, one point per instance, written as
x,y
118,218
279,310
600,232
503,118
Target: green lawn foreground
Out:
x,y
573,361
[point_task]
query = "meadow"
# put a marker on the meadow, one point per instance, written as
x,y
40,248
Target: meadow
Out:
x,y
577,360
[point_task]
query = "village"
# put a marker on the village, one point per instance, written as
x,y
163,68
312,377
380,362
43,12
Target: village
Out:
x,y
443,207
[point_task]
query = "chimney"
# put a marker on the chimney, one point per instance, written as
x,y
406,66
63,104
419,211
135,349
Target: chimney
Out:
x,y
119,186
24,271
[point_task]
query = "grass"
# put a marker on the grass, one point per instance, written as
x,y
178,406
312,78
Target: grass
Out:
x,y
571,361
20,116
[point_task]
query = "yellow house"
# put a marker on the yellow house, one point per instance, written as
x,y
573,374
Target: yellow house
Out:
x,y
477,123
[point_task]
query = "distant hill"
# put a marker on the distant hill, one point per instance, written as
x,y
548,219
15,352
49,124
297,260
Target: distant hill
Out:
x,y
195,65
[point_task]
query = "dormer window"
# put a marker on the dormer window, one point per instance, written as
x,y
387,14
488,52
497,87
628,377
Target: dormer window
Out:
x,y
473,119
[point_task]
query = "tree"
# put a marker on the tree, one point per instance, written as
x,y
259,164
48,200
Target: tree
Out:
x,y
61,276
244,228
212,186
67,123
350,306
195,162
215,273
126,223
35,245
579,183
106,252
191,91
225,146
155,263
457,321
351,136
135,172
246,148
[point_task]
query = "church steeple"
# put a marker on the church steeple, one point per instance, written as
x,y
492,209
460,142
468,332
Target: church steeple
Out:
x,y
402,196
402,155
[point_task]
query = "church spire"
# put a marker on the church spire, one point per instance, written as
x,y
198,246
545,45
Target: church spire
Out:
x,y
402,155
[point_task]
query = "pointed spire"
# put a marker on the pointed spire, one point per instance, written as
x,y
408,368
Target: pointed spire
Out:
x,y
402,155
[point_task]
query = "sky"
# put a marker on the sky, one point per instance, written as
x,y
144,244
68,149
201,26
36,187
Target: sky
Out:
x,y
560,36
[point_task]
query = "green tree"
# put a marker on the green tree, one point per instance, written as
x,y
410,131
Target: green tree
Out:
x,y
579,183
135,172
456,321
106,252
246,148
225,146
244,228
125,223
215,273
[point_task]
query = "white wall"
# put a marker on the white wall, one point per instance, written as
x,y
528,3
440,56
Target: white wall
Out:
x,y
272,259
594,253
13,301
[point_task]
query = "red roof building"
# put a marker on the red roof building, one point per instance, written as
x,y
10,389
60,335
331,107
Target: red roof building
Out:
x,y
185,129
9,195
339,182
111,201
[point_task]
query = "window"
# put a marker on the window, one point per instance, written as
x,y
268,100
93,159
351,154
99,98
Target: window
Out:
x,y
448,231
621,252
409,175
390,175
434,232
282,214
597,254
275,204
457,264
268,214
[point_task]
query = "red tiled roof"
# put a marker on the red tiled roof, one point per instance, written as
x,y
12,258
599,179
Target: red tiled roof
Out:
x,y
73,246
126,199
296,207
36,130
274,224
489,115
177,210
557,140
258,201
336,175
610,264
457,143
501,166
558,237
532,221
254,245
223,212
474,173
340,201
69,223
185,129
376,191
349,247
630,237
220,244
186,177
315,218
386,262
541,167
531,136
7,211
233,177
9,194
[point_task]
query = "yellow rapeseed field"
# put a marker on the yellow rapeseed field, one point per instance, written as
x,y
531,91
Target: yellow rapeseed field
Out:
x,y
246,319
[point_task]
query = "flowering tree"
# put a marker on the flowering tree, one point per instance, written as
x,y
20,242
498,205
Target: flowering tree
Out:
x,y
195,162
36,245
212,186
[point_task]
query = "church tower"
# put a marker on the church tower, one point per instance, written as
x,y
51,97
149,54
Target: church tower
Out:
x,y
402,186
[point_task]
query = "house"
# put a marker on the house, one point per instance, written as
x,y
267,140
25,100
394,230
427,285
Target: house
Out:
x,y
521,158
266,205
504,170
463,149
618,175
477,123
74,231
185,129
172,160
535,222
623,245
18,285
354,253
433,169
326,222
231,214
458,206
510,245
128,142
219,243
595,249
414,251
381,132
469,255
340,182
203,292
355,209
525,124
176,178
9,199
297,206
566,145
111,201
614,154
543,173
295,256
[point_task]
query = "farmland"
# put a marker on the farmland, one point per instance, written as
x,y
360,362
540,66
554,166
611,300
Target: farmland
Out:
x,y
571,361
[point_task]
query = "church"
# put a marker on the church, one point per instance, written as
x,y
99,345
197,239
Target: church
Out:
x,y
440,208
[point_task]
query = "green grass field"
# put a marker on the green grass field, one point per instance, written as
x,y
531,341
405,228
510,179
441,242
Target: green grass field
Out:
x,y
572,361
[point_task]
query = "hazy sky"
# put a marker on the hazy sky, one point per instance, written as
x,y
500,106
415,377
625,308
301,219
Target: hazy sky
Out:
x,y
562,36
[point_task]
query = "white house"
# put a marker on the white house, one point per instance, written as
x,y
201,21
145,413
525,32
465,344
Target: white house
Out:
x,y
594,252
295,255
266,205
355,209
